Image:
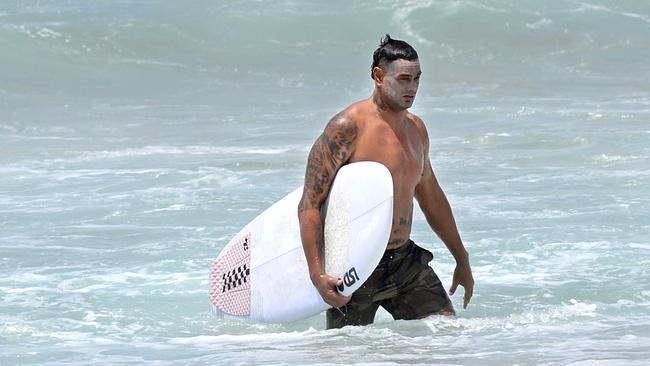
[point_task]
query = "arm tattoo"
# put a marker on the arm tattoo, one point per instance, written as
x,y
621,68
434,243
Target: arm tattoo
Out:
x,y
330,151
317,175
339,142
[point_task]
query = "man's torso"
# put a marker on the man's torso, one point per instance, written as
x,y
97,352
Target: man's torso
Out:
x,y
401,149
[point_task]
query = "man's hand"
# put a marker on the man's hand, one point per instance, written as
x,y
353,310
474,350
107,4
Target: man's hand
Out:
x,y
326,286
463,276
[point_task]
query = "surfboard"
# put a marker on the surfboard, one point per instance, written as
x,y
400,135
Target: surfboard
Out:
x,y
262,275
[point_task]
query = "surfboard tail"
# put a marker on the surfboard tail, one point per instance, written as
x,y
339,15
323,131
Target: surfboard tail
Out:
x,y
230,288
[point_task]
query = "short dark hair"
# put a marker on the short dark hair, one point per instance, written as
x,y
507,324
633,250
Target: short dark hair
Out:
x,y
390,50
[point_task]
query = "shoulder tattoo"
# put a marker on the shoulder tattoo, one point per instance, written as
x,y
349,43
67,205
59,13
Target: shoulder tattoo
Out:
x,y
330,151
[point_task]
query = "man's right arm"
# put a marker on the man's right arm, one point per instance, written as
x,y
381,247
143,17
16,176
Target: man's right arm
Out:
x,y
331,150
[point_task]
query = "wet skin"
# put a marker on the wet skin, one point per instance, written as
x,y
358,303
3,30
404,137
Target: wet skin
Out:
x,y
380,129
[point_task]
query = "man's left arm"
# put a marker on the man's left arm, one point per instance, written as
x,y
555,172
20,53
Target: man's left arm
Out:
x,y
437,211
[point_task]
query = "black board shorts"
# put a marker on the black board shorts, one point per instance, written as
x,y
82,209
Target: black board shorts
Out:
x,y
403,283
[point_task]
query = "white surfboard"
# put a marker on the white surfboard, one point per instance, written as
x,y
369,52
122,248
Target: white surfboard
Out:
x,y
262,274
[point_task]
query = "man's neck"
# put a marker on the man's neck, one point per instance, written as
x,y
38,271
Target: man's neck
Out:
x,y
388,114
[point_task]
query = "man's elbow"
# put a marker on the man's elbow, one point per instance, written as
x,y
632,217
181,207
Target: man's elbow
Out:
x,y
306,208
303,207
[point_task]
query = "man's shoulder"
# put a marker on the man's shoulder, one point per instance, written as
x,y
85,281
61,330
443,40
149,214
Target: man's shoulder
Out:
x,y
351,116
416,120
419,124
357,111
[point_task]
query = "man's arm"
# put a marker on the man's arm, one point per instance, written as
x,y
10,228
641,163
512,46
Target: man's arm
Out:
x,y
437,211
331,150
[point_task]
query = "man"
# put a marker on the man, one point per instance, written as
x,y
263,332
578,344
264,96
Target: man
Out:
x,y
381,129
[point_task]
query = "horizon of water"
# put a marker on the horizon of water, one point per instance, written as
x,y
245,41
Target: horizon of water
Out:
x,y
137,137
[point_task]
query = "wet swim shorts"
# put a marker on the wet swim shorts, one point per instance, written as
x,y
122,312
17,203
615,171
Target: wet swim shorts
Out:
x,y
403,284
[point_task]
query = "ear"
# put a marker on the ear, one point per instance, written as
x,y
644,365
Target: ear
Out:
x,y
378,75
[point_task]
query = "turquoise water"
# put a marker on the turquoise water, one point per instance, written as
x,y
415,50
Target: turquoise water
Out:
x,y
136,137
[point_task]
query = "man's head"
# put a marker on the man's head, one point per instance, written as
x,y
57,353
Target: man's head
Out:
x,y
396,72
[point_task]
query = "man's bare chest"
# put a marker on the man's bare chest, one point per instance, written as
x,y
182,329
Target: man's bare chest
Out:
x,y
400,151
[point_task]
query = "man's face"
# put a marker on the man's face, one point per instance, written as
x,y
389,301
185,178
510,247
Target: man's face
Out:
x,y
400,83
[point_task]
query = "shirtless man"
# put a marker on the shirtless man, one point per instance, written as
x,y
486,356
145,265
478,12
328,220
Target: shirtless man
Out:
x,y
381,129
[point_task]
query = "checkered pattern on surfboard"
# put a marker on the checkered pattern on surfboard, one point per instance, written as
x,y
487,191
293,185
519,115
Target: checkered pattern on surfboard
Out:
x,y
230,288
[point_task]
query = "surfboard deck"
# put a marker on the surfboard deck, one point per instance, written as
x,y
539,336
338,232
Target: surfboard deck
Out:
x,y
262,274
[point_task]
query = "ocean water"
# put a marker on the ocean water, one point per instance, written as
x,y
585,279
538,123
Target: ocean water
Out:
x,y
136,137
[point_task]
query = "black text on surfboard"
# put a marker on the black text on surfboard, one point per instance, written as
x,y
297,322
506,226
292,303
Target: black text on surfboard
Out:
x,y
349,279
